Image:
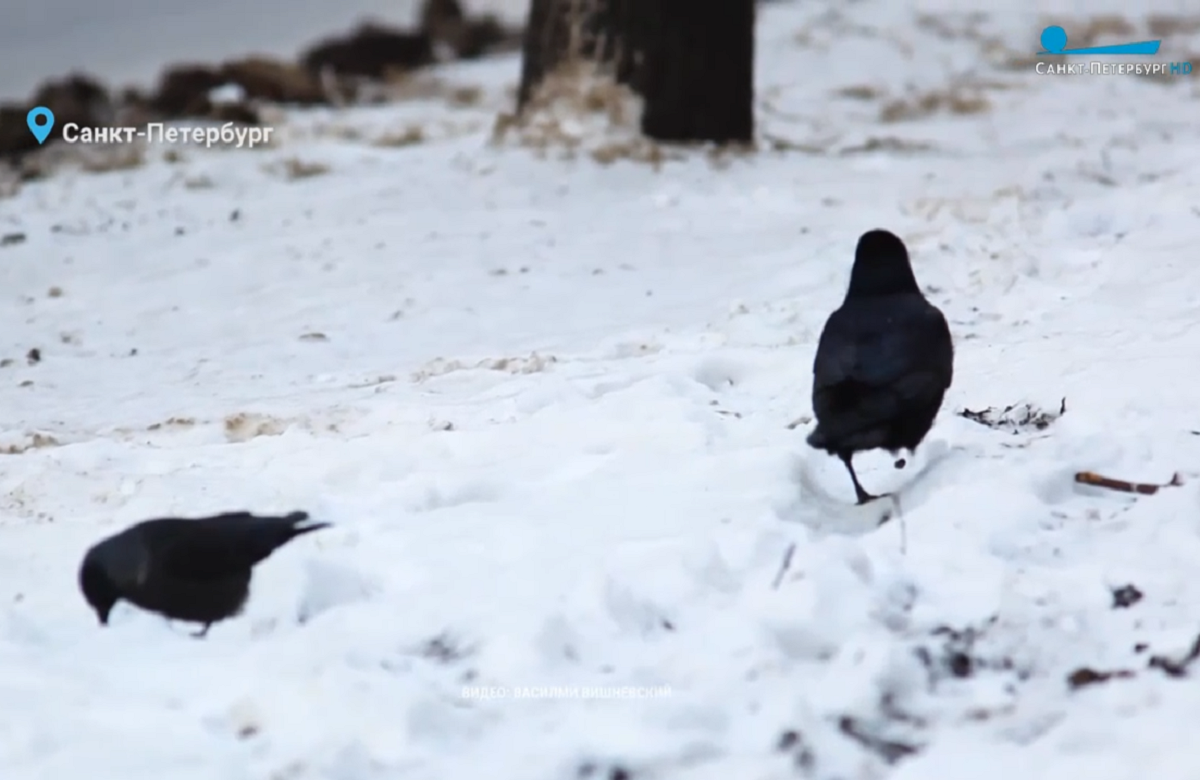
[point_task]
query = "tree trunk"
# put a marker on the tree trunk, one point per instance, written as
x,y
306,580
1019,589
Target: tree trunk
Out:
x,y
692,62
697,75
544,47
562,31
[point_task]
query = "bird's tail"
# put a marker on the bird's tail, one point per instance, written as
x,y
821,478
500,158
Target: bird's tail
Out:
x,y
268,534
299,525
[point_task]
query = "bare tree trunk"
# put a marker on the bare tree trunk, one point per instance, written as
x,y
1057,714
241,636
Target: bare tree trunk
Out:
x,y
692,62
546,41
697,76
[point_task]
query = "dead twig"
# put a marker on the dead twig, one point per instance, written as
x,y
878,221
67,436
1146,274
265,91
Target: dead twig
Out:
x,y
1015,418
794,424
1177,667
889,750
1082,678
1172,667
783,567
1141,488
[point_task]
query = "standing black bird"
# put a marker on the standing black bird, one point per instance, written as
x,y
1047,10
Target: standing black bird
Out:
x,y
884,361
192,570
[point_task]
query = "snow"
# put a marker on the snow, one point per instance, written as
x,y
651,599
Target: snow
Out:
x,y
546,402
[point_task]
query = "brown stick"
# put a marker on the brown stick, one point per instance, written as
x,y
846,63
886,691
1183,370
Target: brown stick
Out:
x,y
783,568
1141,488
1177,667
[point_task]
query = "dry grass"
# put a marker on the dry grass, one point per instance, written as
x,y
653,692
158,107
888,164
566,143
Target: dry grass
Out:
x,y
408,86
531,364
960,100
199,182
294,169
10,182
118,157
580,109
30,441
172,423
954,27
777,143
104,158
409,136
1167,25
465,97
244,426
887,144
337,132
860,92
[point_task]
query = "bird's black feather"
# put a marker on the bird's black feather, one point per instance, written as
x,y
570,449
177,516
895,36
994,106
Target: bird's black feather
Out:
x,y
223,544
884,360
195,570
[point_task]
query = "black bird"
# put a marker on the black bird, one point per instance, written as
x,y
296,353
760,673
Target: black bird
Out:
x,y
884,361
191,570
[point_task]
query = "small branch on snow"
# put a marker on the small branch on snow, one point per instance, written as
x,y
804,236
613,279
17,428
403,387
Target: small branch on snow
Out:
x,y
794,424
1177,667
783,567
888,750
1171,667
1142,488
1085,676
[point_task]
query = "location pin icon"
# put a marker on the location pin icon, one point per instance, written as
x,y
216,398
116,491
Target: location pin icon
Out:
x,y
40,131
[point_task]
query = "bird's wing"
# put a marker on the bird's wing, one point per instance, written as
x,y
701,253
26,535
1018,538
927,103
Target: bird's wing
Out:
x,y
869,370
198,549
198,557
884,351
224,545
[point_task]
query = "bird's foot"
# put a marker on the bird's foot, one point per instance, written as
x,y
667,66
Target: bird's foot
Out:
x,y
202,632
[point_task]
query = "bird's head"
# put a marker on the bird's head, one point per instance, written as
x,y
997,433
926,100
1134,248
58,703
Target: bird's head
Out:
x,y
881,266
98,588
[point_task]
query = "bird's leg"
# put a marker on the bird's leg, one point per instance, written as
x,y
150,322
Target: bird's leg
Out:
x,y
202,632
863,496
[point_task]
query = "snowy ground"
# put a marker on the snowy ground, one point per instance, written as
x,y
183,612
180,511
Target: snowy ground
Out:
x,y
547,404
